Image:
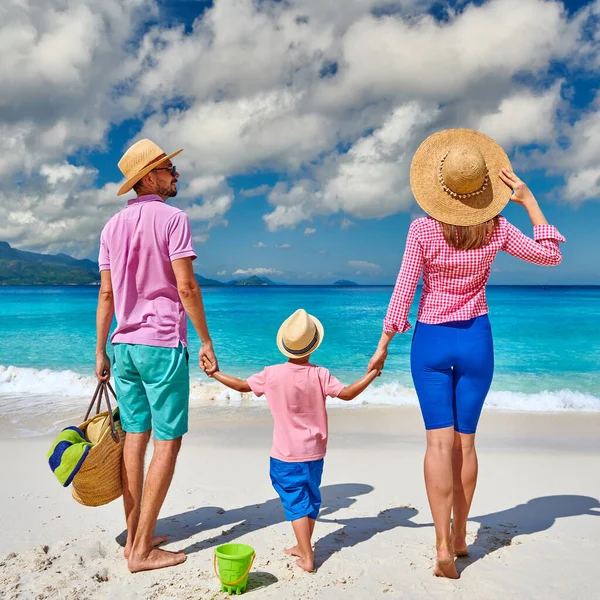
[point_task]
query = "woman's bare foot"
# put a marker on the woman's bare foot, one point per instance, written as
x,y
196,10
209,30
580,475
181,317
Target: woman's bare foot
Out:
x,y
445,566
293,551
157,540
307,563
459,544
156,559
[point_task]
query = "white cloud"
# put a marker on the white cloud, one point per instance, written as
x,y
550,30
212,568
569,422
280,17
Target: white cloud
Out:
x,y
221,273
283,86
283,246
257,271
346,223
310,231
260,245
523,118
364,266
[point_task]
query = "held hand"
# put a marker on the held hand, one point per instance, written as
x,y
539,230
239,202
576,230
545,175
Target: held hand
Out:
x,y
521,193
206,366
207,359
102,367
378,360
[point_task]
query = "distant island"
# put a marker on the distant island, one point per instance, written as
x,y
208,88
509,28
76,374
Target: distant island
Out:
x,y
19,267
344,283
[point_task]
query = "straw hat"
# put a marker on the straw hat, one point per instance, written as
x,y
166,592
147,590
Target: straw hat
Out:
x,y
300,335
454,177
139,160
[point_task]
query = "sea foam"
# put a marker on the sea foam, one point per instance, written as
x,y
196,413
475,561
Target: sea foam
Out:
x,y
26,388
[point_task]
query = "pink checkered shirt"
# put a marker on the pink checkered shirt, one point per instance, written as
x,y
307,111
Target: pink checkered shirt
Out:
x,y
454,280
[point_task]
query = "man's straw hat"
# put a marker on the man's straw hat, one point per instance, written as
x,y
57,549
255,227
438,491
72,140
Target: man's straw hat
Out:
x,y
139,160
454,177
300,335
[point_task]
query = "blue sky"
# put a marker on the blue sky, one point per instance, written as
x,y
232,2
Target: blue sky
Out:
x,y
299,121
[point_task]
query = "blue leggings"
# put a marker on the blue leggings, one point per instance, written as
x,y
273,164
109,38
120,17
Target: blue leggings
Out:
x,y
452,366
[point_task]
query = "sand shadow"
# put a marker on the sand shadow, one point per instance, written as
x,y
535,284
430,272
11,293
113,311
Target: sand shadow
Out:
x,y
258,580
499,529
236,522
357,530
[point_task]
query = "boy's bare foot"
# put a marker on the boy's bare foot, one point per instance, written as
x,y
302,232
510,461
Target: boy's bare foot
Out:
x,y
157,540
156,559
307,563
445,566
293,551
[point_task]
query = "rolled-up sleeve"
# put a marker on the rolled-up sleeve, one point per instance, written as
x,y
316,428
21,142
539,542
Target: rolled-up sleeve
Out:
x,y
396,319
543,249
179,237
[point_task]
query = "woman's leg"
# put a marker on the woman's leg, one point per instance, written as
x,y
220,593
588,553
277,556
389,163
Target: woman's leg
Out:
x,y
431,367
464,470
473,373
439,484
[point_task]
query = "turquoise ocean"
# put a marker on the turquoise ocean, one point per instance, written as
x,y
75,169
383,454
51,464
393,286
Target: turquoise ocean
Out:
x,y
547,344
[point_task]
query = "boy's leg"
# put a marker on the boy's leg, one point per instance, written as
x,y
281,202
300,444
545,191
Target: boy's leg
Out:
x,y
303,530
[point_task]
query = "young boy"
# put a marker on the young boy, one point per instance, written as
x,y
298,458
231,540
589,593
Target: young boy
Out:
x,y
296,392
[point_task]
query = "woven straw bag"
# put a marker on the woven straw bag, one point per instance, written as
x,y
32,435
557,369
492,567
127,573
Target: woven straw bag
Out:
x,y
98,481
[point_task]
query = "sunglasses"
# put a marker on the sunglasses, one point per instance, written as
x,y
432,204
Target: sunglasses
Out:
x,y
172,169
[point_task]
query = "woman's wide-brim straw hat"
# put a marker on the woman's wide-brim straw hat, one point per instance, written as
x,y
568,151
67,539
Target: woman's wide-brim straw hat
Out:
x,y
300,335
454,177
139,160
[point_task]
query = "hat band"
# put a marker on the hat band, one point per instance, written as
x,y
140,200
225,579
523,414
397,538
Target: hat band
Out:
x,y
306,348
454,194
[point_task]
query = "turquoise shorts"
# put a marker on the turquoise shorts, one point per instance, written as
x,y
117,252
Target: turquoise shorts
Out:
x,y
153,389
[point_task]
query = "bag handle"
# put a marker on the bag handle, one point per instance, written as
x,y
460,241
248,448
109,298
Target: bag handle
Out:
x,y
102,389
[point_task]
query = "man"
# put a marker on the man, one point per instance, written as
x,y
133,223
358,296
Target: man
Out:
x,y
145,260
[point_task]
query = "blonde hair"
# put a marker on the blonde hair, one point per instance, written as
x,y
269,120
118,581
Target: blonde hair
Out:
x,y
469,237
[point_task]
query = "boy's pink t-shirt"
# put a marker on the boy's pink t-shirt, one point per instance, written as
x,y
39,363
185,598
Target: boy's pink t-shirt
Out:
x,y
138,245
296,397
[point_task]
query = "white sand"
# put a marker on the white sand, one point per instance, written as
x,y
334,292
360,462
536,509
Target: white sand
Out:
x,y
535,531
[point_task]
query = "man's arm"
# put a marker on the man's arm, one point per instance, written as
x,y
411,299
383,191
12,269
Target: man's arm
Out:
x,y
104,316
351,391
191,298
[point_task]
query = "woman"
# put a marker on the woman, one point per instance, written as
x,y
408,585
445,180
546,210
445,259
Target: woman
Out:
x,y
462,180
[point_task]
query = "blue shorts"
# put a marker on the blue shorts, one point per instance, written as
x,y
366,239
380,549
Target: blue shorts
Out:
x,y
153,389
452,366
297,484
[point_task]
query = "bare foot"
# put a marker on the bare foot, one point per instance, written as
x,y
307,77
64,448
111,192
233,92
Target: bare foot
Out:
x,y
156,559
157,540
307,563
460,545
293,551
445,566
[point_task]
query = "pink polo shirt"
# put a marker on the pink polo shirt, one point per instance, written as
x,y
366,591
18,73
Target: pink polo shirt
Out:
x,y
296,397
137,245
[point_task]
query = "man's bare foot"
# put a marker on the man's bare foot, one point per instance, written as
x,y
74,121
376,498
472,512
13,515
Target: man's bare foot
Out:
x,y
156,559
445,566
157,540
293,551
307,563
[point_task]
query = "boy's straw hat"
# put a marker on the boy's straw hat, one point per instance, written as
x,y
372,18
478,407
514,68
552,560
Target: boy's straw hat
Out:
x,y
139,160
300,335
454,177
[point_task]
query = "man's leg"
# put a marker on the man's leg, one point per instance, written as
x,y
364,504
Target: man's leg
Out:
x,y
132,475
144,556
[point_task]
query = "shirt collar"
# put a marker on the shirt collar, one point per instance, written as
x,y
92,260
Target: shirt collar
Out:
x,y
145,198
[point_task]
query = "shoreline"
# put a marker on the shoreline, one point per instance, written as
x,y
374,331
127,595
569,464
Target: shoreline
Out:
x,y
536,506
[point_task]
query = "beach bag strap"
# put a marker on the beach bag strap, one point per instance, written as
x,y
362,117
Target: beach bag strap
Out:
x,y
102,390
